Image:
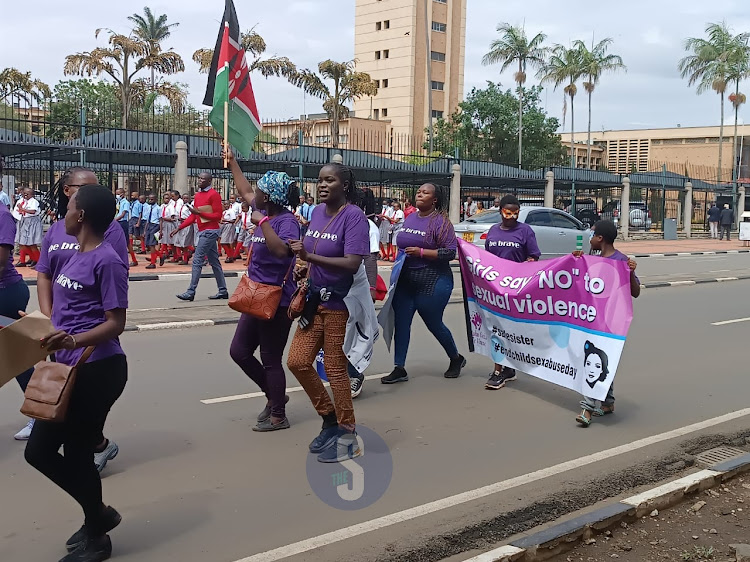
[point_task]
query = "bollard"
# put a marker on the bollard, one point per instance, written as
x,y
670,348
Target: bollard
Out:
x,y
455,195
625,209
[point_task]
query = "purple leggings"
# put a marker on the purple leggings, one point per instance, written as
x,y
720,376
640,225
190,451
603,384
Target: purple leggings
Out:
x,y
271,336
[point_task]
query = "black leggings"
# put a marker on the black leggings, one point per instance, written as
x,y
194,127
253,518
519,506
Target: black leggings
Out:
x,y
98,385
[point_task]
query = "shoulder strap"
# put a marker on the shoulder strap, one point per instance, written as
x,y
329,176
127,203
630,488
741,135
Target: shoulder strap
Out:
x,y
86,354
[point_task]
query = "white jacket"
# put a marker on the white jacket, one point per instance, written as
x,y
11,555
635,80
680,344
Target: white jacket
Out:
x,y
362,326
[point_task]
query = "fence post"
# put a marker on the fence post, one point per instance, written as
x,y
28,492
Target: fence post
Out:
x,y
740,205
625,209
687,220
181,167
455,196
549,189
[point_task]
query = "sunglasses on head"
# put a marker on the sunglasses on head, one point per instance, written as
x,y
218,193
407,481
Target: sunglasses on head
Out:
x,y
508,214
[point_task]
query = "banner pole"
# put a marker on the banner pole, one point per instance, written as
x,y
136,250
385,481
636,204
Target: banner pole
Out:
x,y
226,133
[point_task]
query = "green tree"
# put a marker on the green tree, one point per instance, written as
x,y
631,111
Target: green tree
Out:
x,y
565,66
709,66
153,31
513,47
122,60
254,46
739,65
12,120
486,128
596,62
21,85
98,101
348,85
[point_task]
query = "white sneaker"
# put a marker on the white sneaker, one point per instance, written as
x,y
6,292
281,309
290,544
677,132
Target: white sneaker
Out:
x,y
25,433
109,452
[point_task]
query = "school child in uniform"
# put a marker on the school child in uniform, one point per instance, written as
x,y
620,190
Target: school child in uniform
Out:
x,y
244,224
228,232
142,224
167,225
152,221
30,231
136,209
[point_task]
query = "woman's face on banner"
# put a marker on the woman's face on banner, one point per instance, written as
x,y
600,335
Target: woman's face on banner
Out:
x,y
593,368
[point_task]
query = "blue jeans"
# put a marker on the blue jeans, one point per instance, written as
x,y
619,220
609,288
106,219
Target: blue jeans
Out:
x,y
591,404
430,309
206,248
13,299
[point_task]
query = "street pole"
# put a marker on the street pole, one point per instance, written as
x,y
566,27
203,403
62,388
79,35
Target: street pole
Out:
x,y
428,28
300,143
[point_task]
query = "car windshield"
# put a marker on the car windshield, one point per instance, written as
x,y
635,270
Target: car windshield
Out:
x,y
487,217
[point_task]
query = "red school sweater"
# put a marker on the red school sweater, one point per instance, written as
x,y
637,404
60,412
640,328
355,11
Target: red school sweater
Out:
x,y
203,198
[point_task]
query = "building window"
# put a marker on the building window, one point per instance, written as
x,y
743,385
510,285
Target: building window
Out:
x,y
437,26
438,85
376,114
387,24
343,139
386,54
385,112
378,26
377,55
322,139
438,57
437,114
441,1
385,82
377,83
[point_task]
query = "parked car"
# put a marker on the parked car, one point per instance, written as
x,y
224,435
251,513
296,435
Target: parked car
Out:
x,y
556,231
586,210
640,215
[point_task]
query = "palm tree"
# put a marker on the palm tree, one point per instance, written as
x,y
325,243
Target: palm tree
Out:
x,y
14,83
348,85
153,31
565,66
514,47
122,60
739,70
595,63
254,46
709,67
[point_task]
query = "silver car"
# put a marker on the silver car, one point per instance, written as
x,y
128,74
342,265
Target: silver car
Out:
x,y
557,232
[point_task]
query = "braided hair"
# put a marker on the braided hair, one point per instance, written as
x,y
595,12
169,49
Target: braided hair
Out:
x,y
445,232
58,191
346,175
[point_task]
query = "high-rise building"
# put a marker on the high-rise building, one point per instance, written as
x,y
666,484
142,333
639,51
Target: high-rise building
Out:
x,y
391,44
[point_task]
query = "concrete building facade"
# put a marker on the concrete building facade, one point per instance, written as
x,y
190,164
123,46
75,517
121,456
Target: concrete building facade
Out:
x,y
390,44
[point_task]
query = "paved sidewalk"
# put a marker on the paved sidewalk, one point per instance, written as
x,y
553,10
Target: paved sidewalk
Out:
x,y
692,246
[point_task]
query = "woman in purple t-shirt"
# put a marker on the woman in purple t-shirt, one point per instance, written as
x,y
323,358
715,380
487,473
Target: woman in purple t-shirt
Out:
x,y
271,262
514,241
337,239
426,281
89,310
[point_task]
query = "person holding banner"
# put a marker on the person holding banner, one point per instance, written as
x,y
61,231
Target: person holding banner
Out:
x,y
426,281
595,360
514,241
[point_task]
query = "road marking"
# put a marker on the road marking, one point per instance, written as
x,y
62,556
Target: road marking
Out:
x,y
705,257
173,325
502,553
681,283
725,322
259,394
722,279
479,493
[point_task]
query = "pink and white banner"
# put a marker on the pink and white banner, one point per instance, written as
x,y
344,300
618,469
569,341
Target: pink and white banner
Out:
x,y
563,320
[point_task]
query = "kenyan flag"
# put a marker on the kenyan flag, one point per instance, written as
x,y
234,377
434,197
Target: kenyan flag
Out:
x,y
229,81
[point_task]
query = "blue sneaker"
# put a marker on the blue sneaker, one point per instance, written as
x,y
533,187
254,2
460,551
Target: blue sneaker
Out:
x,y
326,438
346,447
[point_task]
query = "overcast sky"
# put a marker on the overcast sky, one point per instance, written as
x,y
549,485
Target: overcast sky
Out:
x,y
648,34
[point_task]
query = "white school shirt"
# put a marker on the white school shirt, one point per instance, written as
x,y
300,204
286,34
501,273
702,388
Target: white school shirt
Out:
x,y
246,223
237,208
16,210
184,211
229,215
398,216
30,205
374,237
168,211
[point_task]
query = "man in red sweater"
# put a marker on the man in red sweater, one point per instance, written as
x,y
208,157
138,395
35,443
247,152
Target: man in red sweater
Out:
x,y
206,213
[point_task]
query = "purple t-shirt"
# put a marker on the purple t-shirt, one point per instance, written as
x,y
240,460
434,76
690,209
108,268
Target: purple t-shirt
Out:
x,y
347,234
58,247
8,238
518,244
431,233
88,285
267,268
619,256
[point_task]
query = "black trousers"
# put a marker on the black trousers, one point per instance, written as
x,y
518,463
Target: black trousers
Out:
x,y
724,228
98,385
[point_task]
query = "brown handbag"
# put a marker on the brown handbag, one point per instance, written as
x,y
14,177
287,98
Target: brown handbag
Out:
x,y
50,388
259,300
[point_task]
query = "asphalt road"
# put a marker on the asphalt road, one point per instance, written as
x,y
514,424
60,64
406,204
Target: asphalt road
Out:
x,y
194,483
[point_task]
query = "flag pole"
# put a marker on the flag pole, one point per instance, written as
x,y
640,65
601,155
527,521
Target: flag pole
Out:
x,y
226,119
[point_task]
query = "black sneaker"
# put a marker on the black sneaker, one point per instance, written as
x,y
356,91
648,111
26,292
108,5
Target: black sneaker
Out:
x,y
219,296
110,520
268,425
454,369
186,297
91,550
498,380
356,384
326,439
397,375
